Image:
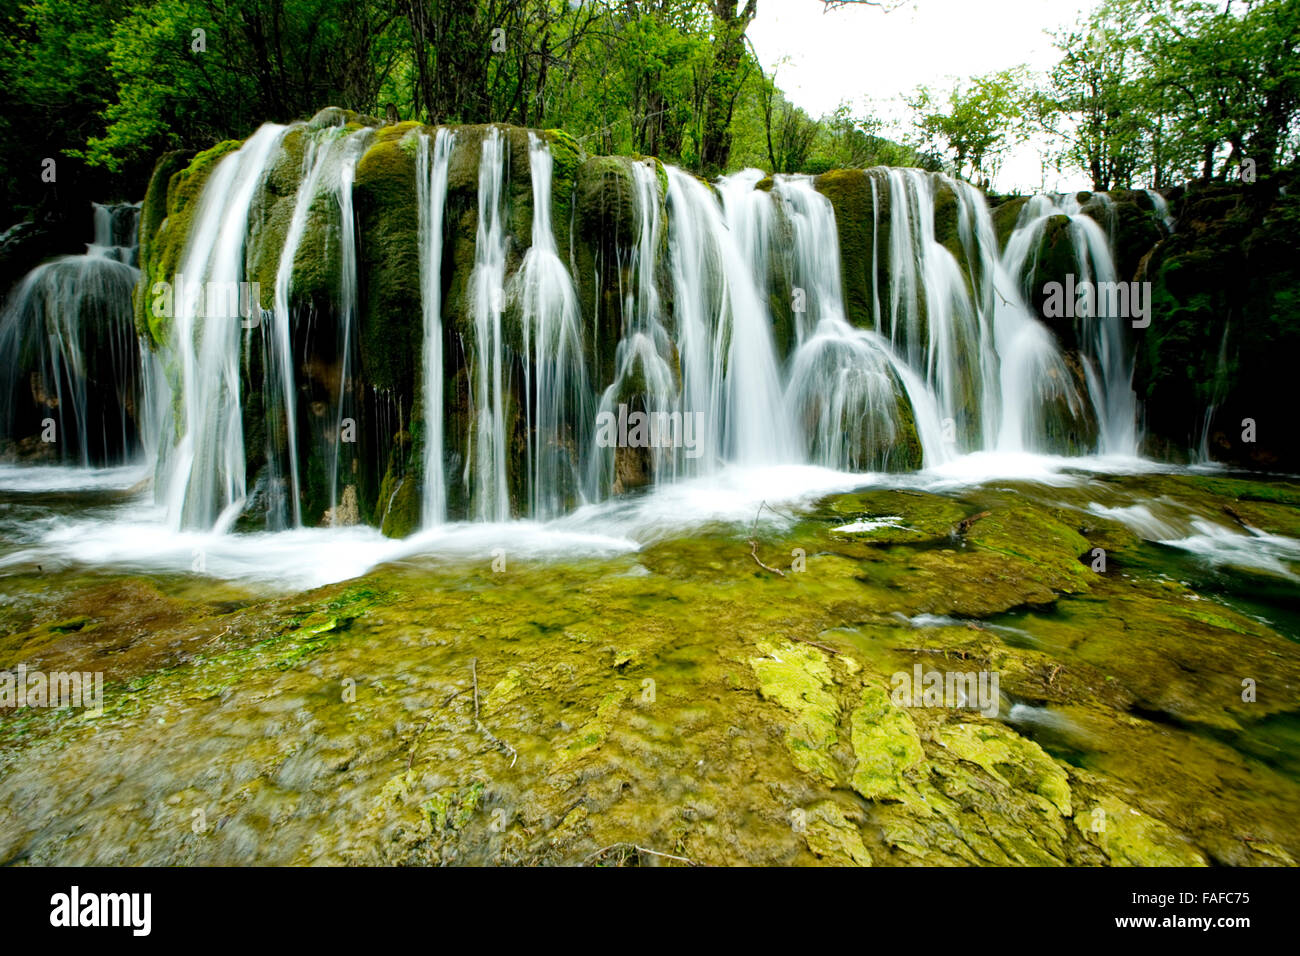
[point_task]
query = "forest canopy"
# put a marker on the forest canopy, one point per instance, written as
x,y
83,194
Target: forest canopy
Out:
x,y
1144,91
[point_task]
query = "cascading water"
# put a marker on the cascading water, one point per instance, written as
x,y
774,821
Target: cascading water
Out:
x,y
847,385
1107,360
644,378
1162,208
485,468
206,483
757,427
557,397
116,228
74,383
933,319
729,368
732,313
323,151
431,202
354,146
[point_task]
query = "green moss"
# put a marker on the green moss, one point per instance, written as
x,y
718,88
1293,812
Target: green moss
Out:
x,y
798,677
1044,541
886,747
153,218
1010,759
389,259
451,809
161,260
592,733
849,191
1131,838
400,498
506,690
833,838
1005,217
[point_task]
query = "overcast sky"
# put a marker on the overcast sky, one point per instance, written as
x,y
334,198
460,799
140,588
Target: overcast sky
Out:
x,y
872,58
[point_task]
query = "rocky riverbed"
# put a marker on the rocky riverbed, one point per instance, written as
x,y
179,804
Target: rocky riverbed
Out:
x,y
725,696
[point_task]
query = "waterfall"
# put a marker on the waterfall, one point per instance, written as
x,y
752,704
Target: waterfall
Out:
x,y
486,460
732,320
758,426
1201,454
116,227
557,397
730,371
848,386
1106,358
345,404
206,484
644,377
74,386
431,202
702,312
282,404
934,320
1162,208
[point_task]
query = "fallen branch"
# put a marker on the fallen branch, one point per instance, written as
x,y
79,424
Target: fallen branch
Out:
x,y
496,741
823,647
753,553
964,524
638,849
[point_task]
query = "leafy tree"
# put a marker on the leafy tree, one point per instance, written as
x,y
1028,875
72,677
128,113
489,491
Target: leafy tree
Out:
x,y
975,125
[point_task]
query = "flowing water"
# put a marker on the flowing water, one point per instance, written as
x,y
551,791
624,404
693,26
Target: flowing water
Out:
x,y
431,199
731,312
73,360
939,480
485,470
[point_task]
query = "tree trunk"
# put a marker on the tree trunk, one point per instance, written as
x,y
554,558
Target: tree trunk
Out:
x,y
729,25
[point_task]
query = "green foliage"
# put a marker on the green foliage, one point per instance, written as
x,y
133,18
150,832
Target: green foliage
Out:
x,y
976,124
1162,89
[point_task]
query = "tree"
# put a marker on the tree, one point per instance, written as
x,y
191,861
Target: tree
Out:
x,y
977,124
730,68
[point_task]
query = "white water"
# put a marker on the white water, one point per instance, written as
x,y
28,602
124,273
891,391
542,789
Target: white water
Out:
x,y
643,374
205,486
431,202
955,350
1108,360
845,384
74,363
321,148
485,469
354,148
557,397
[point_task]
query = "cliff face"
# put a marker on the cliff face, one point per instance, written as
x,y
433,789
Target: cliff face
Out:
x,y
1209,369
1225,328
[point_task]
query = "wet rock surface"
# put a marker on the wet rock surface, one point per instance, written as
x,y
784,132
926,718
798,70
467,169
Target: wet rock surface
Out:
x,y
686,703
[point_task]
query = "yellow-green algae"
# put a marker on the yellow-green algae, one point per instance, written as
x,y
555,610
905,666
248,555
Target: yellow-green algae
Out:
x,y
681,699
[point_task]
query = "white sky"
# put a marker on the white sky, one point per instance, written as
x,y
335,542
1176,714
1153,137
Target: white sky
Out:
x,y
872,58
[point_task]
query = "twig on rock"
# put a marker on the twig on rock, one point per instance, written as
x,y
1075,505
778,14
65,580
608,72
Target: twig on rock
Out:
x,y
638,849
496,741
753,553
964,524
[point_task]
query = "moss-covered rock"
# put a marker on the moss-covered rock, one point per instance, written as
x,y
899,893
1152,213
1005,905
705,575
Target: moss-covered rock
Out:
x,y
1225,296
850,194
161,257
